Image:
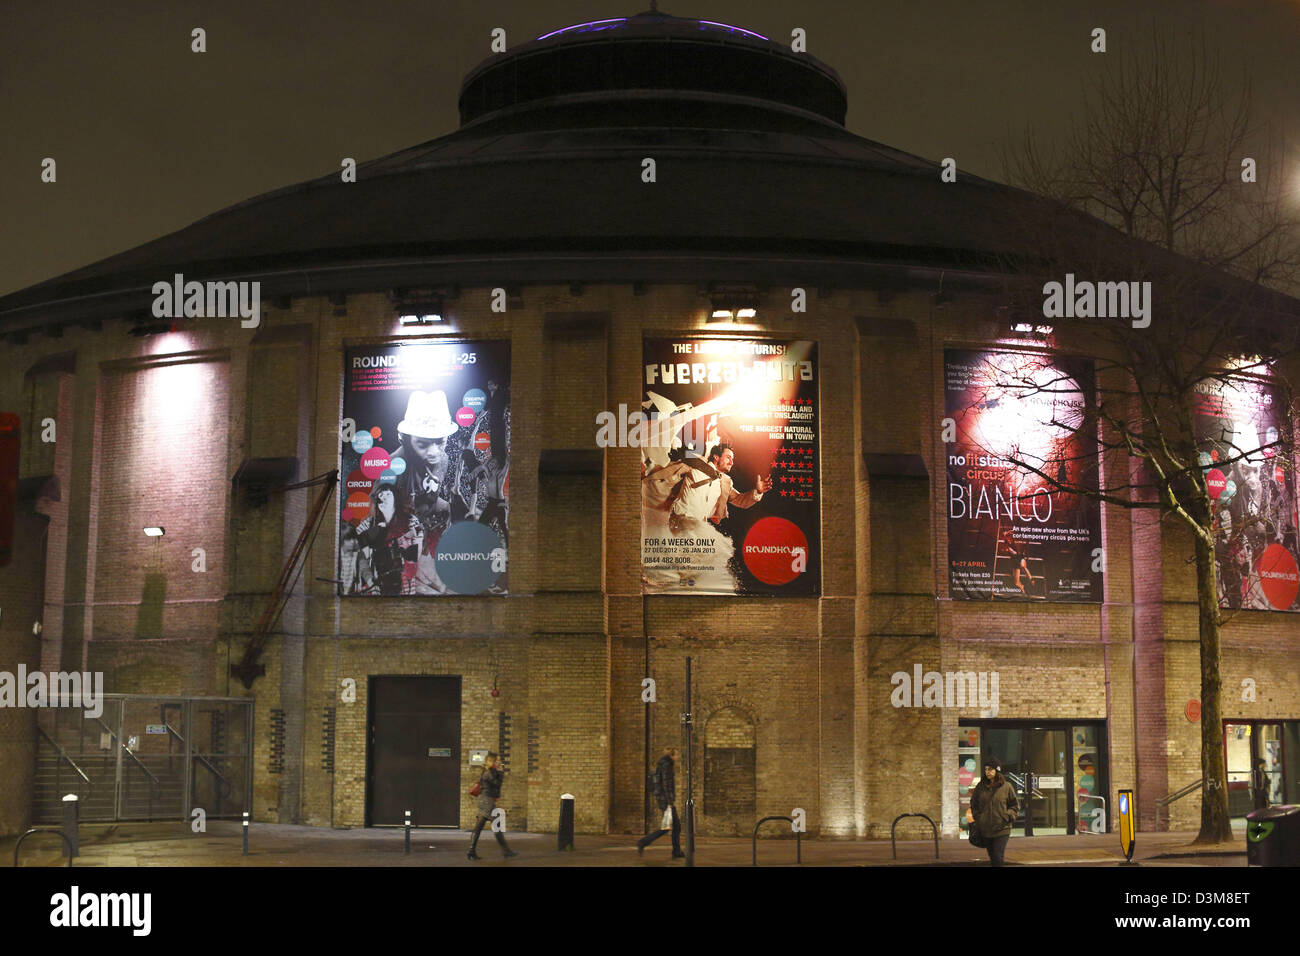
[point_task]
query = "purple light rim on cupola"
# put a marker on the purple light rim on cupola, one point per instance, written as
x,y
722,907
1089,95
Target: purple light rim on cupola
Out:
x,y
578,26
728,26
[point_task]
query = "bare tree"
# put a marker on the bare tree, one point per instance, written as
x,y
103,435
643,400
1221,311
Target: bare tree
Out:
x,y
1193,401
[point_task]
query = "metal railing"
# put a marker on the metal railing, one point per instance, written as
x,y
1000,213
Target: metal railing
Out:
x,y
798,838
1174,797
107,759
154,784
1078,814
63,756
60,833
894,845
227,786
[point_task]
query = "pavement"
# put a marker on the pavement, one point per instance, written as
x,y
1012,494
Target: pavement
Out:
x,y
173,844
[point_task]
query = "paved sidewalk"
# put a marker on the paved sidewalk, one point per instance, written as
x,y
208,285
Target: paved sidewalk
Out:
x,y
172,844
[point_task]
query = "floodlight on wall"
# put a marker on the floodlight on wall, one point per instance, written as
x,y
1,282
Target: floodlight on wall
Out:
x,y
1031,330
154,532
413,318
733,301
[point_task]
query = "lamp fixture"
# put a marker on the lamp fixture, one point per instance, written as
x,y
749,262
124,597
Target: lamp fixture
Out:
x,y
733,301
154,532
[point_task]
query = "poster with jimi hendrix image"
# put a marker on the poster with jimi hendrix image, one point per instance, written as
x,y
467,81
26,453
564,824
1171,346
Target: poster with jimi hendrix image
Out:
x,y
730,496
425,500
1244,447
1011,536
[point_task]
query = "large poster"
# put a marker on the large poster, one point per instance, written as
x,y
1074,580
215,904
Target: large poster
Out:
x,y
425,497
1242,439
1010,535
730,498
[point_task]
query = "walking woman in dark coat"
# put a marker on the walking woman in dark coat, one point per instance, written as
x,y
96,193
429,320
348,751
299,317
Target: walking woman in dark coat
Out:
x,y
665,793
994,809
490,790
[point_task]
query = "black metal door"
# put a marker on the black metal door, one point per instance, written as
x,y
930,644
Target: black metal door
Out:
x,y
414,752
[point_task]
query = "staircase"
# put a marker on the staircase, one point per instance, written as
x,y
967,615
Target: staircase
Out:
x,y
71,758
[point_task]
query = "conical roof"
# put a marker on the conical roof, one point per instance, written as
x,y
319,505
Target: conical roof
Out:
x,y
754,174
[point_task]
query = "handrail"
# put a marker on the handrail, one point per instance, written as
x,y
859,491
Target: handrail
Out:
x,y
71,849
1079,798
1179,794
228,785
798,838
934,828
64,755
1033,791
1168,800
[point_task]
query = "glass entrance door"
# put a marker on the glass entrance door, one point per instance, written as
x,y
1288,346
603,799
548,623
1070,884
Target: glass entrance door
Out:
x,y
1049,802
1245,744
1067,760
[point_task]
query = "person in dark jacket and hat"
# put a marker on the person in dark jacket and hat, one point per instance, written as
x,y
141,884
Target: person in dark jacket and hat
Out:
x,y
994,809
665,792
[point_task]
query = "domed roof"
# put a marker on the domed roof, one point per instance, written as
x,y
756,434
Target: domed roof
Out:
x,y
755,176
648,65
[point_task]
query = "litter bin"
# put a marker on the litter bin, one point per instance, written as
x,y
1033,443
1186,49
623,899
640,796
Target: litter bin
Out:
x,y
1273,837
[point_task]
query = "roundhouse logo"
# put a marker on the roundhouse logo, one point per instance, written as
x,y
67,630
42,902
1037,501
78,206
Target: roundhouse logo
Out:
x,y
775,550
1279,576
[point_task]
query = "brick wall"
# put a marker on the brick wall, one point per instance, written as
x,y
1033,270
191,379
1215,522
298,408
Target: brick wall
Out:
x,y
156,440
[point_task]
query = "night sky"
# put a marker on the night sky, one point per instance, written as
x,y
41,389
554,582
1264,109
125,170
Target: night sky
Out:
x,y
149,136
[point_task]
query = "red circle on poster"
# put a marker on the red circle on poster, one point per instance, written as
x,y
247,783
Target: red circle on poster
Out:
x,y
771,550
972,738
358,481
377,432
1193,710
358,506
1279,576
374,462
482,441
1215,482
1279,475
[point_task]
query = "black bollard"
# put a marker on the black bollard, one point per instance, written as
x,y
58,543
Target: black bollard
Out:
x,y
245,833
408,831
71,818
565,831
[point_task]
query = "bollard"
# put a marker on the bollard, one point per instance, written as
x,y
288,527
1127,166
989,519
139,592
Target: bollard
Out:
x,y
408,831
71,803
245,833
565,831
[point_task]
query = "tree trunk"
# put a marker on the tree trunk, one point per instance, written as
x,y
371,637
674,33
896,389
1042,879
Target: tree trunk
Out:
x,y
1215,825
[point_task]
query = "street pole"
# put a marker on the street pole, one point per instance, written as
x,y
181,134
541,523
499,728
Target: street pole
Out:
x,y
690,790
645,791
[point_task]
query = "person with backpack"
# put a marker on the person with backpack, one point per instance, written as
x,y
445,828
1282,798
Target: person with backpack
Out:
x,y
664,788
993,809
487,791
